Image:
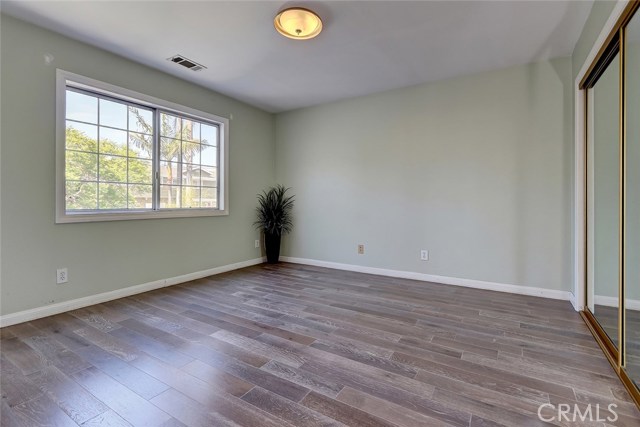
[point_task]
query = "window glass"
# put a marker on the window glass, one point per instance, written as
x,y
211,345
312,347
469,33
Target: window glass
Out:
x,y
187,163
126,157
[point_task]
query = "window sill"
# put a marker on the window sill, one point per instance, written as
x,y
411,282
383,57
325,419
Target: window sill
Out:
x,y
66,218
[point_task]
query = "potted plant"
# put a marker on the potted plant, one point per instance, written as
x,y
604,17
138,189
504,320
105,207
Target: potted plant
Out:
x,y
274,219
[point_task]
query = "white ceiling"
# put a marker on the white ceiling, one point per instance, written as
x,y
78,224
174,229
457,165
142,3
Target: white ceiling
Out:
x,y
365,47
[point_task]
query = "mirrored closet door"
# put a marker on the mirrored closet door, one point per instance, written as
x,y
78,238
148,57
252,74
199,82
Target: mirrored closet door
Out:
x,y
603,199
612,146
631,359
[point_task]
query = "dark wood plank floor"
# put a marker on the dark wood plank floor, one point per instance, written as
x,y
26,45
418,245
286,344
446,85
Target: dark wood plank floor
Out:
x,y
607,317
291,345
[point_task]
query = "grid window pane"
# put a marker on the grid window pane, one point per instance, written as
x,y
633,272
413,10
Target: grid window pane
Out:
x,y
209,176
190,174
209,198
140,196
209,155
170,149
80,136
196,178
209,134
140,120
195,134
170,196
191,152
169,173
112,168
81,195
113,114
140,171
140,145
81,166
112,196
190,130
171,126
113,141
81,107
190,197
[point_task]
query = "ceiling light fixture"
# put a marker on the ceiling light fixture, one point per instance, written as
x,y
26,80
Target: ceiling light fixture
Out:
x,y
298,23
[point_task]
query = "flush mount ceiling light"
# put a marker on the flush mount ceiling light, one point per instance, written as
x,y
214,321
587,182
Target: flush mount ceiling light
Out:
x,y
298,23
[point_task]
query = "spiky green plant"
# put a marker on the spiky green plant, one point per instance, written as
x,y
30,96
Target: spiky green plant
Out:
x,y
274,211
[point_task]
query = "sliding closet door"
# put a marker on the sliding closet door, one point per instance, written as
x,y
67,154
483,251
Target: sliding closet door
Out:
x,y
632,204
603,198
611,86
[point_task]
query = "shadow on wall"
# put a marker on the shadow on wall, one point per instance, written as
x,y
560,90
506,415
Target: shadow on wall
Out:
x,y
542,93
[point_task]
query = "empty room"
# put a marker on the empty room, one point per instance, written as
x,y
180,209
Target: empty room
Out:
x,y
319,213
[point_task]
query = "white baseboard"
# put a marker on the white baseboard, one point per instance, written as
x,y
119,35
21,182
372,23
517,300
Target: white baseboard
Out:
x,y
605,301
572,300
61,307
469,283
631,304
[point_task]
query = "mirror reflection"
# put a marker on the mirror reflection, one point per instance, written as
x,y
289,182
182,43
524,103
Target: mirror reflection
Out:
x,y
632,190
603,199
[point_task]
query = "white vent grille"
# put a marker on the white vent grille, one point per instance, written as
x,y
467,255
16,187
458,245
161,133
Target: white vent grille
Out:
x,y
187,63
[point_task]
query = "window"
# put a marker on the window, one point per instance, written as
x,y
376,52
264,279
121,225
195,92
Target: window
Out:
x,y
125,155
188,163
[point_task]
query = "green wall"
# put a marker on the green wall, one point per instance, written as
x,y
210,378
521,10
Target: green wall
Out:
x,y
107,256
472,169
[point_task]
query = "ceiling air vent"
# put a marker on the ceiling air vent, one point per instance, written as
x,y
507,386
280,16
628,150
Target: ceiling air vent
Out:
x,y
187,63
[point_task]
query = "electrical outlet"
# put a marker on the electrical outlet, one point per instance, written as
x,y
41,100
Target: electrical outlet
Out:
x,y
257,243
62,275
360,249
424,255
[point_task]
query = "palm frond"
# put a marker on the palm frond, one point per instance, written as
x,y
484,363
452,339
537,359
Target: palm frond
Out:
x,y
274,211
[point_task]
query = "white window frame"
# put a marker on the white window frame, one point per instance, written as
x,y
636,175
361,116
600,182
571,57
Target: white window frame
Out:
x,y
66,78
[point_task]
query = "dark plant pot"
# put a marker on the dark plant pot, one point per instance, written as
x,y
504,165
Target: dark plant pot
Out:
x,y
272,247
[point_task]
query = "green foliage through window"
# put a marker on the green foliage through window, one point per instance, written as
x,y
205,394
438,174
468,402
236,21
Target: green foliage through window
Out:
x,y
110,189
109,157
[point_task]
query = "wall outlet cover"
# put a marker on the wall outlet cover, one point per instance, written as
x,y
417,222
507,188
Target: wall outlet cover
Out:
x,y
62,275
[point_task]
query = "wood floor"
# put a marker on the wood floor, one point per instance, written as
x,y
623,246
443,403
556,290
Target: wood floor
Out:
x,y
291,345
607,317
